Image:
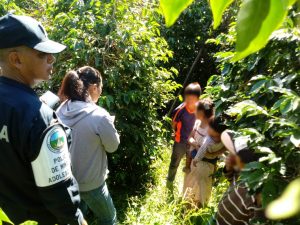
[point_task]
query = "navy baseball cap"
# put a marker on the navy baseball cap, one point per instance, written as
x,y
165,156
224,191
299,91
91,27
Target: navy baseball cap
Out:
x,y
24,30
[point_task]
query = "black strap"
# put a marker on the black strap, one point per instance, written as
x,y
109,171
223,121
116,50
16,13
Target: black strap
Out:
x,y
212,161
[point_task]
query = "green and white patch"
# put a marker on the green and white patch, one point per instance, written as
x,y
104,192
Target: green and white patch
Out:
x,y
53,163
56,140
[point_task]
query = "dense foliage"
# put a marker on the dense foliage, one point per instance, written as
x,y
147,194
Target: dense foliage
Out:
x,y
186,42
187,39
122,40
260,94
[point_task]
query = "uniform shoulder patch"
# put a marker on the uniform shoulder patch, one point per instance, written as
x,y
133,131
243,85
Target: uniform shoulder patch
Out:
x,y
53,163
56,140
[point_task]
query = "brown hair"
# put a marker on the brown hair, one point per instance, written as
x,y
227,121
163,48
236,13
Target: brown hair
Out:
x,y
207,106
76,83
193,89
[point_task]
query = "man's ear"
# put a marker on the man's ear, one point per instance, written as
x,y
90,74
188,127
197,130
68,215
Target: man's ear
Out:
x,y
13,59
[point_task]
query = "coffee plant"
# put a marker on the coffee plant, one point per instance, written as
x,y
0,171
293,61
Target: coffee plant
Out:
x,y
260,93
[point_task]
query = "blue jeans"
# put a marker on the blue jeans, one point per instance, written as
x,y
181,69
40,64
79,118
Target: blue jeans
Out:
x,y
100,203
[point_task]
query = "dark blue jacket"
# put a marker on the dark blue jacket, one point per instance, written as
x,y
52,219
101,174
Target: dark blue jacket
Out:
x,y
36,182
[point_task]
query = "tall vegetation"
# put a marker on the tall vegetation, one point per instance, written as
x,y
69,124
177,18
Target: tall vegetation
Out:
x,y
186,38
260,93
122,40
252,55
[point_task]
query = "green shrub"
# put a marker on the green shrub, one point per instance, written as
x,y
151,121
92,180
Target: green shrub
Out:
x,y
121,39
261,95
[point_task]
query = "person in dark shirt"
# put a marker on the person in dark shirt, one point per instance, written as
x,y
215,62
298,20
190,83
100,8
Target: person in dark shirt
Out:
x,y
36,179
183,120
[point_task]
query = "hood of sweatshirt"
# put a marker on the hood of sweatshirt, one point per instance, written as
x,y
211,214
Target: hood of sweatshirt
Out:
x,y
71,112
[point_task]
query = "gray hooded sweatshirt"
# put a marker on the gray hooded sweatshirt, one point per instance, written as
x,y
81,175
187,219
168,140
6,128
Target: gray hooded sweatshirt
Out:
x,y
93,134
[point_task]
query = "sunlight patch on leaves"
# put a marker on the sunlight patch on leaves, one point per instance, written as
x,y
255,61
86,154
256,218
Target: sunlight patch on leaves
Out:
x,y
287,205
256,22
246,108
218,7
4,217
172,9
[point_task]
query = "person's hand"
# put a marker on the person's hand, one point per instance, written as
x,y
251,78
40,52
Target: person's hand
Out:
x,y
84,222
193,144
192,141
229,162
195,163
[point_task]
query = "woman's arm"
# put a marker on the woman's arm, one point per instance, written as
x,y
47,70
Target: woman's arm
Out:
x,y
191,139
108,134
203,149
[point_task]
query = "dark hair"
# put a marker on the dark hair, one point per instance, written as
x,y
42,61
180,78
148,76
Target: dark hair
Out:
x,y
76,83
217,124
207,106
193,89
247,156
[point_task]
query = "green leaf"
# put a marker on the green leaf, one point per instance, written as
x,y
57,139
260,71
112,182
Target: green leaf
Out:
x,y
218,7
263,149
286,106
287,205
277,105
249,21
269,192
258,86
245,108
172,9
256,22
29,222
296,103
180,97
284,91
252,166
292,2
295,139
4,217
259,77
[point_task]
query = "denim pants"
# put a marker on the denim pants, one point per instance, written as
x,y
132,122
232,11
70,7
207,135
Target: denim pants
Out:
x,y
100,203
179,151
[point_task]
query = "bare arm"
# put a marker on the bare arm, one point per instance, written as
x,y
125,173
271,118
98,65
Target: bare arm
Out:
x,y
191,140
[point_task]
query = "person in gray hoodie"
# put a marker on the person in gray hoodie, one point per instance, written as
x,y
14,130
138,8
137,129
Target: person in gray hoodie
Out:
x,y
93,135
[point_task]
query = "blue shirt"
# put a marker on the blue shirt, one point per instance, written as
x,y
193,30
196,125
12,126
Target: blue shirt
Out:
x,y
185,121
23,121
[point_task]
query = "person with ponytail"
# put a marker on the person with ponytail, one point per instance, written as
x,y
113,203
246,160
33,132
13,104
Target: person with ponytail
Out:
x,y
93,135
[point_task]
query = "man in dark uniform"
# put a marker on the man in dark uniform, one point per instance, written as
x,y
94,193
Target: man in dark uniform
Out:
x,y
36,182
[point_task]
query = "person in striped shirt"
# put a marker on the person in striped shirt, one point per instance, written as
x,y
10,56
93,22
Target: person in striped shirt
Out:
x,y
238,206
